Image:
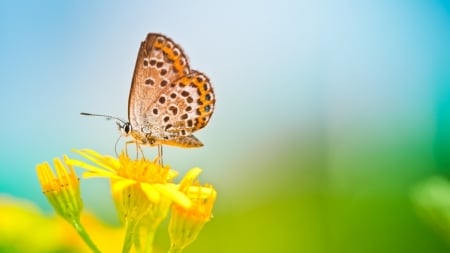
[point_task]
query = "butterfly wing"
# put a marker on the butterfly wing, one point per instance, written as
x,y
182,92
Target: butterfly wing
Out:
x,y
192,98
183,108
159,62
168,100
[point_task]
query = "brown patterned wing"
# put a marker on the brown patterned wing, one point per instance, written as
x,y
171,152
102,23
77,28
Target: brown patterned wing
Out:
x,y
184,107
160,62
192,98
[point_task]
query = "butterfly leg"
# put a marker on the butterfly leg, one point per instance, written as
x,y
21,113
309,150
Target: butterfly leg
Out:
x,y
126,147
160,155
138,148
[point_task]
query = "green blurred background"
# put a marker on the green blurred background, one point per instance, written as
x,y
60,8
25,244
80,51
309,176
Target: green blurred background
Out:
x,y
328,113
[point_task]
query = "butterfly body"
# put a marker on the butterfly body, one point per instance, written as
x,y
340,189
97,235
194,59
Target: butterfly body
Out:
x,y
168,101
151,139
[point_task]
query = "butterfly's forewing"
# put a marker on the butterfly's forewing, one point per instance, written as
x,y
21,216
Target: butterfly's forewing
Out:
x,y
160,62
168,100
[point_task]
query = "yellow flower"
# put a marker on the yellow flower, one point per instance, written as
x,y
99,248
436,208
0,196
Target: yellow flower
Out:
x,y
62,190
143,191
153,179
186,223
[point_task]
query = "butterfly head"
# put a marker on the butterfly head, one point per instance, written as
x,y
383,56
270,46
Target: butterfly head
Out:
x,y
125,128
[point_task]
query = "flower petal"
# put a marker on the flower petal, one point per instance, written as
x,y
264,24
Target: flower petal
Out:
x,y
120,185
171,191
200,192
106,162
104,174
91,168
151,192
190,176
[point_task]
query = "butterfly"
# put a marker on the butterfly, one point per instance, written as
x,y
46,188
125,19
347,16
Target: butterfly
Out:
x,y
168,101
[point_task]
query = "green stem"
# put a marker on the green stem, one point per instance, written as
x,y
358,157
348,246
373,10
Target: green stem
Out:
x,y
150,236
129,236
84,235
147,231
175,249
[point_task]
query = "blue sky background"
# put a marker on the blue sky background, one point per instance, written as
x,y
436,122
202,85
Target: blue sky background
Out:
x,y
367,81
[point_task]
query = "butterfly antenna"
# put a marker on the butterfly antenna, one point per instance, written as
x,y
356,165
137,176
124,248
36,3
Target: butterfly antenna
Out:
x,y
108,117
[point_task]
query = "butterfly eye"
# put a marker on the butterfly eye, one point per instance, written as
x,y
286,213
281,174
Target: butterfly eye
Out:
x,y
127,128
